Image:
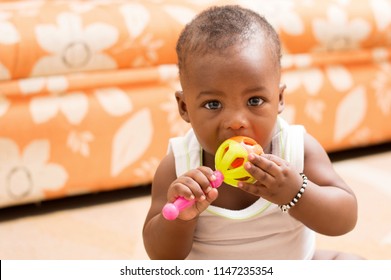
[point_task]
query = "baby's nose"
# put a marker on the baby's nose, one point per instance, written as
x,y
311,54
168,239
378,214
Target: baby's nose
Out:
x,y
236,121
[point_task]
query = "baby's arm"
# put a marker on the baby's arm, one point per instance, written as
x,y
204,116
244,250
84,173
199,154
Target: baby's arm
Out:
x,y
328,205
165,239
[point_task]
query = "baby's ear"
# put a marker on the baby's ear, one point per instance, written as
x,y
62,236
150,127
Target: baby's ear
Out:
x,y
182,108
281,103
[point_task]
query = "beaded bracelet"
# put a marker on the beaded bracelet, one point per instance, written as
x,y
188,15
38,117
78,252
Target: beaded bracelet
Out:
x,y
284,208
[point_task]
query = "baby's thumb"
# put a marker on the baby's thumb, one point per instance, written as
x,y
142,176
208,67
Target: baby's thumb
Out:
x,y
210,197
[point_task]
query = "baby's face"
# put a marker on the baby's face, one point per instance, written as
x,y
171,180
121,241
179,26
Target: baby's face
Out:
x,y
232,94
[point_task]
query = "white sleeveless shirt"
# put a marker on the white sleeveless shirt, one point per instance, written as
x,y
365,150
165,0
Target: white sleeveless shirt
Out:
x,y
260,231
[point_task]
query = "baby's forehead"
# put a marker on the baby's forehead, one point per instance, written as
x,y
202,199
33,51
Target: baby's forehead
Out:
x,y
209,54
241,66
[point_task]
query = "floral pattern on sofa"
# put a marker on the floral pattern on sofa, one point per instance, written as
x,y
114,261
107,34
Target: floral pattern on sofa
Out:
x,y
87,87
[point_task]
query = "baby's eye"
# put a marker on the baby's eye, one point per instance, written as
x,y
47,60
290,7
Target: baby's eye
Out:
x,y
212,105
255,101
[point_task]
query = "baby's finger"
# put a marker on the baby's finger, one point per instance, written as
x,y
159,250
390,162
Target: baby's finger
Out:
x,y
210,177
261,176
269,163
210,197
198,182
180,188
254,189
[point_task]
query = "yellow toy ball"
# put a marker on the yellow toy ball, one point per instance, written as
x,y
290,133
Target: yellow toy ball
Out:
x,y
232,155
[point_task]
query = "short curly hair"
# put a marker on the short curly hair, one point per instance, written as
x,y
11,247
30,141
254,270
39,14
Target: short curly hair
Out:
x,y
220,27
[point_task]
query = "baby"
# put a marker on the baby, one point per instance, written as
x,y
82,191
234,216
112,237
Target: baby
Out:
x,y
229,67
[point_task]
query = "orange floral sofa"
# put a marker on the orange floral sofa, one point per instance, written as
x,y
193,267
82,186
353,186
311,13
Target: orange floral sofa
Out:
x,y
86,87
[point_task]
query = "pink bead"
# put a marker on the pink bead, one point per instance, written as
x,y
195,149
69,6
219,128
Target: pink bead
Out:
x,y
170,211
219,179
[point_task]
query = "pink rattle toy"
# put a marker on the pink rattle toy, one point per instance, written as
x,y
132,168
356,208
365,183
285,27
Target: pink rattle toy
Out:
x,y
229,160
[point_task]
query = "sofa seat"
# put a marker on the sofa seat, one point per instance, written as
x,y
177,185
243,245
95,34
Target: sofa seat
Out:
x,y
87,88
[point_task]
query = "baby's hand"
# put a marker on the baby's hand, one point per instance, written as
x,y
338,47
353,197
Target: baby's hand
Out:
x,y
194,185
277,181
